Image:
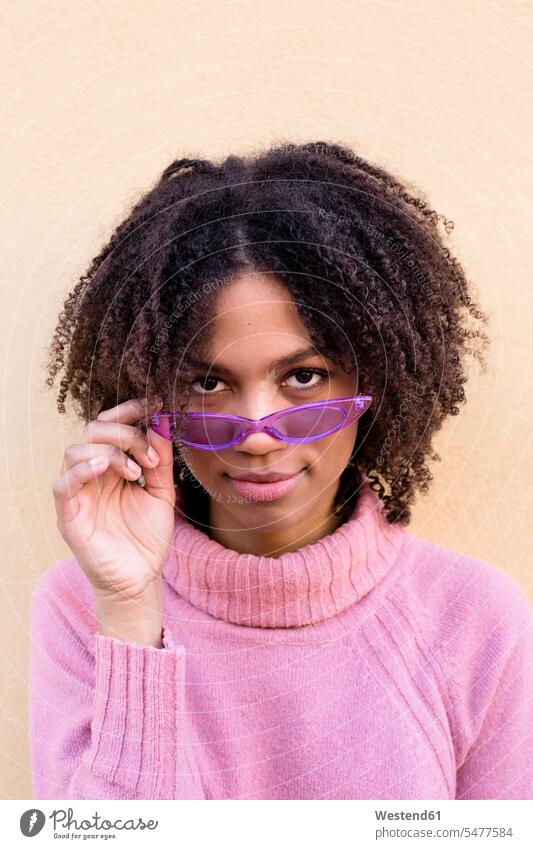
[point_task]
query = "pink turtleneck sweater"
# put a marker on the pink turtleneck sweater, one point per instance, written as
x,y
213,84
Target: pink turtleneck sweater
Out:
x,y
369,665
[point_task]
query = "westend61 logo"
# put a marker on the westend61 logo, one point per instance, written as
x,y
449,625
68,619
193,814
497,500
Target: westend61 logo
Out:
x,y
66,827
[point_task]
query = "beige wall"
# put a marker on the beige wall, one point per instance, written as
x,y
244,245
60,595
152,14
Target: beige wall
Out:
x,y
101,96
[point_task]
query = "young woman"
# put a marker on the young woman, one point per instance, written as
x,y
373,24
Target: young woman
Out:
x,y
261,355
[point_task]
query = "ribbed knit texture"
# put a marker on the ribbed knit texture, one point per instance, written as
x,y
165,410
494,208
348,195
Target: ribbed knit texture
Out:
x,y
298,588
369,665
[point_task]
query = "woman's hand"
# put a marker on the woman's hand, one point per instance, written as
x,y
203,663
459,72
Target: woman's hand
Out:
x,y
118,531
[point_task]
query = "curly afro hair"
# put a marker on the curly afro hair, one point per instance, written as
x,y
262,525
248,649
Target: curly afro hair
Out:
x,y
362,255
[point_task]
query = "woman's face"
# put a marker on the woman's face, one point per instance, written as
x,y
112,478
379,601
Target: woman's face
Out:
x,y
257,326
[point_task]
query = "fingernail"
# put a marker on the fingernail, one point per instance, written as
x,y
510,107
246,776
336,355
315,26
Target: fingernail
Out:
x,y
134,467
152,455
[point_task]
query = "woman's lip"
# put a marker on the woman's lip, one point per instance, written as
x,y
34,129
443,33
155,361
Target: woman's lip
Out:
x,y
270,491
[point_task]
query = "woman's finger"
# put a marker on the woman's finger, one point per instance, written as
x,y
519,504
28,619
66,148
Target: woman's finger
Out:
x,y
126,438
115,426
66,489
118,460
129,411
159,479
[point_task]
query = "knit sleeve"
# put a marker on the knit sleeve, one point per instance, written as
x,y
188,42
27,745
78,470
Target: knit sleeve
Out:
x,y
494,705
107,719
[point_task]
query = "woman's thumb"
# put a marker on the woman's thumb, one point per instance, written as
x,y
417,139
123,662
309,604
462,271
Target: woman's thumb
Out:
x,y
159,480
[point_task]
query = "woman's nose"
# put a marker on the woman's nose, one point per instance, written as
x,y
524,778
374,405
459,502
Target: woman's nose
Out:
x,y
258,443
256,439
256,407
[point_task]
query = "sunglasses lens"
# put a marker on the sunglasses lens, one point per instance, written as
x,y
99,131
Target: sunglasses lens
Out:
x,y
210,431
305,424
299,424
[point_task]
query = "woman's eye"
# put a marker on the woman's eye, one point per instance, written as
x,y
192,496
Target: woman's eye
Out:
x,y
305,378
207,384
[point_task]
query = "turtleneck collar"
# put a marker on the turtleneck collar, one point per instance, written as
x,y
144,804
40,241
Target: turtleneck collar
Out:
x,y
301,587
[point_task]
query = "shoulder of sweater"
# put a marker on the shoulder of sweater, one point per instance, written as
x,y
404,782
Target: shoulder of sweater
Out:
x,y
456,599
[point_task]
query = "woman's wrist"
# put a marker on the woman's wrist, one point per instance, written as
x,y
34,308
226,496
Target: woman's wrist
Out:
x,y
136,620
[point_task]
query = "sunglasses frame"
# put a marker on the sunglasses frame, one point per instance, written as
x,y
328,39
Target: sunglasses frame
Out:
x,y
360,402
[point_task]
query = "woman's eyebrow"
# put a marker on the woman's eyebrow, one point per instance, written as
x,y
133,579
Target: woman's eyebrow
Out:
x,y
282,362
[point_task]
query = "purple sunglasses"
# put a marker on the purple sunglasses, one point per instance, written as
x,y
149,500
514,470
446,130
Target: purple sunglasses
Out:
x,y
302,423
